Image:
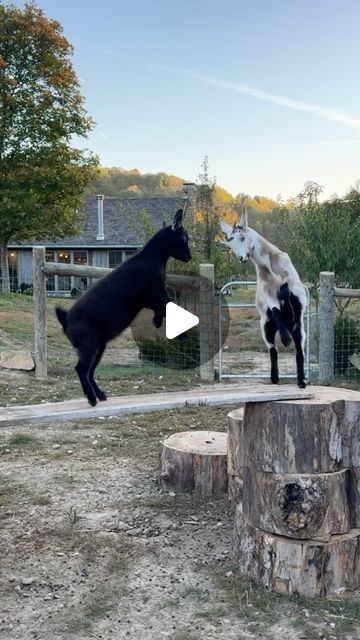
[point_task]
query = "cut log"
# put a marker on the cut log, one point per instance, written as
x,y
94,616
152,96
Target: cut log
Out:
x,y
308,568
301,506
319,435
195,461
235,442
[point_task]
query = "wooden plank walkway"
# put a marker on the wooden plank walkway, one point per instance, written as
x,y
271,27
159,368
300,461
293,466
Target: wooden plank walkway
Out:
x,y
215,395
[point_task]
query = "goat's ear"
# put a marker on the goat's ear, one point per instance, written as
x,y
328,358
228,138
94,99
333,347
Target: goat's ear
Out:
x,y
226,229
178,218
244,218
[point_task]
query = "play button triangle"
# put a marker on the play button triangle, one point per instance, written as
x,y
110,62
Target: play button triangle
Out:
x,y
178,320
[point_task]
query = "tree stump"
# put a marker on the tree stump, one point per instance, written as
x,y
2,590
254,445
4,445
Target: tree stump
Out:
x,y
195,461
297,522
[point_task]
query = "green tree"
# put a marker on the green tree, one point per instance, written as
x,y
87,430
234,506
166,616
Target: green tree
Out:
x,y
325,237
42,176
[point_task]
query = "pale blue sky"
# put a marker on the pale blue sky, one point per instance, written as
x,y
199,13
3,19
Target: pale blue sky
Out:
x,y
268,89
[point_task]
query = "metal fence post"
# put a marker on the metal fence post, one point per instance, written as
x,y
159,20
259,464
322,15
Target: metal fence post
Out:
x,y
39,297
326,326
206,322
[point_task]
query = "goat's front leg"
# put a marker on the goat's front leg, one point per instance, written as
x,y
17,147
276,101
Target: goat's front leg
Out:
x,y
298,334
269,329
159,308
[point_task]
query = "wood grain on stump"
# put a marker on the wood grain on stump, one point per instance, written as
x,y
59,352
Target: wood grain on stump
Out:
x,y
195,461
306,567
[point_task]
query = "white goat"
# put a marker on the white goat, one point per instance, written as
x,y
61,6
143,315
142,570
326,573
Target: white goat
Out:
x,y
280,294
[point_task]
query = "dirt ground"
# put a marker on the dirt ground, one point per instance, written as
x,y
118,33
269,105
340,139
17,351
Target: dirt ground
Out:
x,y
91,547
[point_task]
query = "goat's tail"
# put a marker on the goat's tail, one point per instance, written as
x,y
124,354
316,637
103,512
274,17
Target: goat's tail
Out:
x,y
62,317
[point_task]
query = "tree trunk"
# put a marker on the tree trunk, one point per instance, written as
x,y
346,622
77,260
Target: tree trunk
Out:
x,y
4,269
195,461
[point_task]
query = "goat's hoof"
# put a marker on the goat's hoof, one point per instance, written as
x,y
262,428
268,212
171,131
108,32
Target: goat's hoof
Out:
x,y
101,396
302,384
275,379
92,402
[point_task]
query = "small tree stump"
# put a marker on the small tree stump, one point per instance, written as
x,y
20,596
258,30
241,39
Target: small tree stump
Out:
x,y
306,567
195,461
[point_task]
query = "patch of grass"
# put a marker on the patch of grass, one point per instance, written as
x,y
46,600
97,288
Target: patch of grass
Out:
x,y
23,439
213,614
42,500
262,609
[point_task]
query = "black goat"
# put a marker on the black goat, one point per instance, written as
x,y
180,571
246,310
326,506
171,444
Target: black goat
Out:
x,y
110,306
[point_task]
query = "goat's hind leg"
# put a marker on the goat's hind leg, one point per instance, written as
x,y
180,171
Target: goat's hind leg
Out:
x,y
269,329
87,357
98,392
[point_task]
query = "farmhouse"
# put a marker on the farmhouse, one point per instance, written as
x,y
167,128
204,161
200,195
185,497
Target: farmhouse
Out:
x,y
111,230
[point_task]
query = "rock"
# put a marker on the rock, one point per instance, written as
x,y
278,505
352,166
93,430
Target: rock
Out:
x,y
17,359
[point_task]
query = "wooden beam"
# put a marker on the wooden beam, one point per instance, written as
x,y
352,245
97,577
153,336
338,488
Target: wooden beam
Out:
x,y
340,292
217,395
85,271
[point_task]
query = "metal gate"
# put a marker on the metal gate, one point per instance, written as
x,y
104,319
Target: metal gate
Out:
x,y
247,351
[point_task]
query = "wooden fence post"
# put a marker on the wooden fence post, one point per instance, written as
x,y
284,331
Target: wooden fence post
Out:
x,y
39,298
206,322
326,326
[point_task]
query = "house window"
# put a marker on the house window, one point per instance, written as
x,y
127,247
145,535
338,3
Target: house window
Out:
x,y
12,261
80,283
50,279
117,256
65,284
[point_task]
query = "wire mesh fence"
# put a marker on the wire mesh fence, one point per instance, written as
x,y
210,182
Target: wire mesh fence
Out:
x,y
244,353
347,336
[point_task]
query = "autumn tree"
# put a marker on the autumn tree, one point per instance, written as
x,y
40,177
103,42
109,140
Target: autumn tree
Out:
x,y
42,175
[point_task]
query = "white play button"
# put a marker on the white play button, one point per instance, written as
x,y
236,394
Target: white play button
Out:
x,y
178,320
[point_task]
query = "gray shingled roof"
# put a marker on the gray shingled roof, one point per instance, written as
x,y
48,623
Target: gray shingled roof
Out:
x,y
122,222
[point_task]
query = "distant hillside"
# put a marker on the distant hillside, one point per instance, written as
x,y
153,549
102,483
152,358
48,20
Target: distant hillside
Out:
x,y
121,183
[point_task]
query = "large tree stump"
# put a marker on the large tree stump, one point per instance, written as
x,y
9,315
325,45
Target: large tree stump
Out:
x,y
297,523
195,461
306,567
